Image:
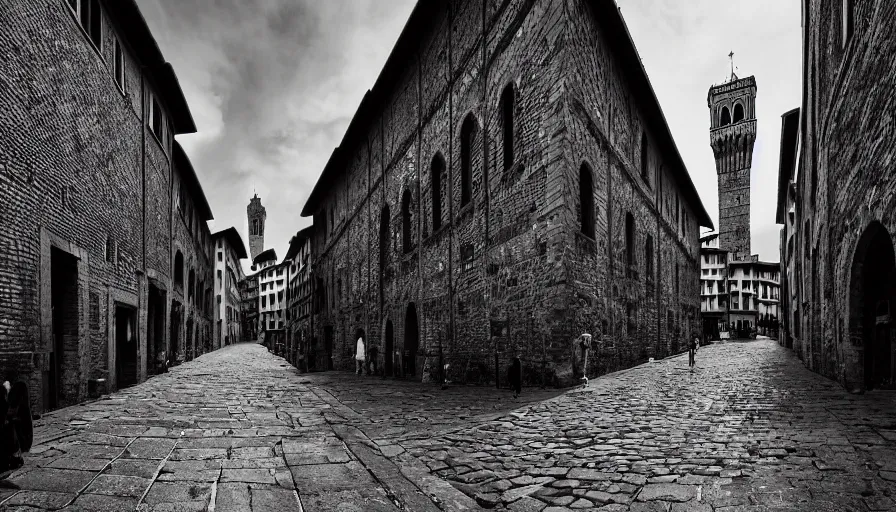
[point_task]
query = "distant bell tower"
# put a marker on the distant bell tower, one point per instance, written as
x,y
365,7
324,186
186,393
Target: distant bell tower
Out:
x,y
732,112
257,215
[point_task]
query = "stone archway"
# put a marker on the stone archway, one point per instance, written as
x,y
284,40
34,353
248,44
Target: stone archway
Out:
x,y
872,294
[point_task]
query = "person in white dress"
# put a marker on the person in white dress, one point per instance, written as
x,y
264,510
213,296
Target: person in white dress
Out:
x,y
359,356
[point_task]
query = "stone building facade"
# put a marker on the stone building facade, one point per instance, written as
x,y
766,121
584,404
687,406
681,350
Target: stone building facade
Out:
x,y
191,316
249,309
298,298
713,287
786,216
88,170
229,250
509,183
841,181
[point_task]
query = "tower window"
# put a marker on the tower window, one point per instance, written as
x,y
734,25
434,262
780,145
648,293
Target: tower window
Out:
x,y
648,258
155,113
725,118
644,157
119,66
738,112
407,243
848,21
507,106
629,244
438,167
384,236
110,250
179,268
586,200
467,136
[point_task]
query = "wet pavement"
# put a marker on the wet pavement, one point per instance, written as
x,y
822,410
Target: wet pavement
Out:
x,y
238,429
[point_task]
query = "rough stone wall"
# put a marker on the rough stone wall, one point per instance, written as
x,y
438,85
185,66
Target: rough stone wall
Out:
x,y
512,256
190,236
847,150
72,159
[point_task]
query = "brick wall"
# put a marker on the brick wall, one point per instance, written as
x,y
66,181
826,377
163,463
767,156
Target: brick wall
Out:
x,y
72,163
514,254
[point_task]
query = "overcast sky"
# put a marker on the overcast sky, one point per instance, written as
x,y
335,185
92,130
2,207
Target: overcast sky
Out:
x,y
273,84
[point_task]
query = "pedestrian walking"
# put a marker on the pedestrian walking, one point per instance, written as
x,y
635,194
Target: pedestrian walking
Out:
x,y
692,351
372,363
359,356
515,376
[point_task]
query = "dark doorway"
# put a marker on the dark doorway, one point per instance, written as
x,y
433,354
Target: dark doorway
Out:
x,y
389,349
155,321
174,353
125,346
411,340
62,385
872,295
328,346
190,343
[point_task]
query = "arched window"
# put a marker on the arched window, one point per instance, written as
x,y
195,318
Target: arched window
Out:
x,y
644,157
507,106
726,117
407,243
648,258
384,237
191,284
629,244
467,136
738,112
438,167
179,268
586,201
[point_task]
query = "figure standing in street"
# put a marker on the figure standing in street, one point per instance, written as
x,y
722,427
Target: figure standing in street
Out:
x,y
359,356
371,370
585,348
515,376
692,351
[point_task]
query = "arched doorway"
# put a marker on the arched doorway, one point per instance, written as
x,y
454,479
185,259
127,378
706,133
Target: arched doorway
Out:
x,y
411,340
872,295
389,348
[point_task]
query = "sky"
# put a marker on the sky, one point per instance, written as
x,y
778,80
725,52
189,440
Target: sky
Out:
x,y
272,86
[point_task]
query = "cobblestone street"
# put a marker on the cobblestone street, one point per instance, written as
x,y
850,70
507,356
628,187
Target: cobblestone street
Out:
x,y
238,429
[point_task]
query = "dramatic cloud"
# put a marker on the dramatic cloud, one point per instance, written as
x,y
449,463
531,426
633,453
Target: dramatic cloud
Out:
x,y
272,86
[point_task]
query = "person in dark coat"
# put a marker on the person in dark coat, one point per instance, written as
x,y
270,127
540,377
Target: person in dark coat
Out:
x,y
16,431
515,376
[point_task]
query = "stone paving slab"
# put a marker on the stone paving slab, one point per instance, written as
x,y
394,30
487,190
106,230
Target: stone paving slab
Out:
x,y
749,430
199,436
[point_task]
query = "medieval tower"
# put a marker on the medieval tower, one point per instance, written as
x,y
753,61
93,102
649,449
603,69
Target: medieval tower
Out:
x,y
257,215
732,108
